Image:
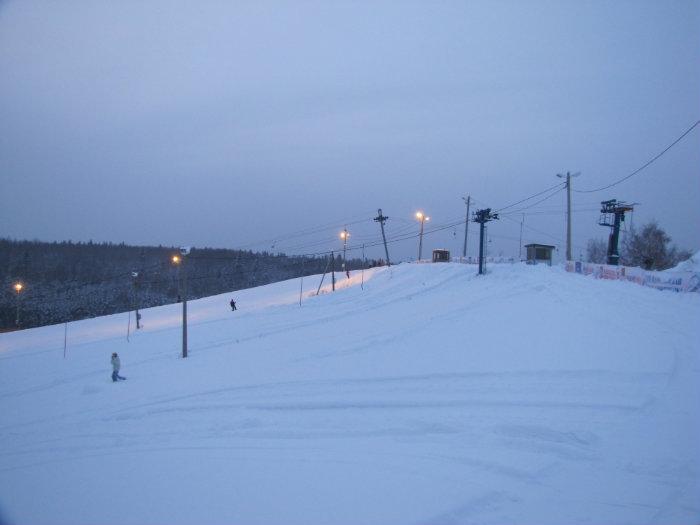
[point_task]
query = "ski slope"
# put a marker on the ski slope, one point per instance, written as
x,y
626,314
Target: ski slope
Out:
x,y
430,395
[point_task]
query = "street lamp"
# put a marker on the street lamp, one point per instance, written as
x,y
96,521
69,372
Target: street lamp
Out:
x,y
344,235
179,261
18,287
422,218
135,276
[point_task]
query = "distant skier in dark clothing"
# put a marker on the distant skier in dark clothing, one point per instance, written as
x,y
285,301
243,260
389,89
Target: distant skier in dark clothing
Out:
x,y
233,305
116,365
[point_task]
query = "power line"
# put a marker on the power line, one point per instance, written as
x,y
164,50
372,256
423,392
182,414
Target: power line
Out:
x,y
558,185
305,231
406,237
535,230
556,212
691,128
557,190
558,239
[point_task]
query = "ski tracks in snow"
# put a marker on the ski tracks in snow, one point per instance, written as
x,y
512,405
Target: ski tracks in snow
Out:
x,y
542,413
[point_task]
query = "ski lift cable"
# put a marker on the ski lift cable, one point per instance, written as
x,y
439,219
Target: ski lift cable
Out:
x,y
308,231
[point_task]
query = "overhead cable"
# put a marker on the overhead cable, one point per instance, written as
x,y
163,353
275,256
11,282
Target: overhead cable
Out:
x,y
691,128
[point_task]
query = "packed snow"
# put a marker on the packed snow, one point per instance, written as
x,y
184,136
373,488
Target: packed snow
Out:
x,y
416,394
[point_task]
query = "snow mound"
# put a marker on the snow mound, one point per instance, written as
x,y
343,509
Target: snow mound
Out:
x,y
689,265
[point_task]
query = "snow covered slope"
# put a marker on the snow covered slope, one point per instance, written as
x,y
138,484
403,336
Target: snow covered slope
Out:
x,y
527,396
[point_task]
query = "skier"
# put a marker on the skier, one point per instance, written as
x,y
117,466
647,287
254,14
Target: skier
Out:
x,y
116,365
233,305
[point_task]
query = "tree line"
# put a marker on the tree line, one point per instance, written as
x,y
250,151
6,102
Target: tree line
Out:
x,y
67,281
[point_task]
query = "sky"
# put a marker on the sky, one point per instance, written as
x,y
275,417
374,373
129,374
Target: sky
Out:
x,y
242,124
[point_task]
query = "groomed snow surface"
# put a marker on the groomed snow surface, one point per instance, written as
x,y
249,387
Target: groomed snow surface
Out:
x,y
431,396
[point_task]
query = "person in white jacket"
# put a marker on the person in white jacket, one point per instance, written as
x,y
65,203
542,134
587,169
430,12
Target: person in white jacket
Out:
x,y
116,365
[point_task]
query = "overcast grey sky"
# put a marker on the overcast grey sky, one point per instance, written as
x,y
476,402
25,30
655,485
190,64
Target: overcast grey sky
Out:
x,y
230,123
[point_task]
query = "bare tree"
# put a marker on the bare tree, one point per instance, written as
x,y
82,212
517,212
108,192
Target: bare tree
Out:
x,y
650,248
596,251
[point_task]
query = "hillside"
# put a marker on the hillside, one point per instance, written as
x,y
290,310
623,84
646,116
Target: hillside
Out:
x,y
427,395
71,281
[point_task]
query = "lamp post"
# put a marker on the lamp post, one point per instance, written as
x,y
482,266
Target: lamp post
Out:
x,y
179,261
344,235
422,218
18,287
135,276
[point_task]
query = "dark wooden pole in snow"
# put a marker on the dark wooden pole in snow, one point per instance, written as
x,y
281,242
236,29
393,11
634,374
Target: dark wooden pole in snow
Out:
x,y
381,219
333,270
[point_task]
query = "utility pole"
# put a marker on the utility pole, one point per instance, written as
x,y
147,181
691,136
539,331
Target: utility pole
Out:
x,y
614,211
520,247
142,257
362,282
466,226
568,211
422,218
381,219
333,270
482,217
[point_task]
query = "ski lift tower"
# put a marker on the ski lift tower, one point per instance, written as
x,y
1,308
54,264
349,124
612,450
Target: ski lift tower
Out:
x,y
482,217
612,214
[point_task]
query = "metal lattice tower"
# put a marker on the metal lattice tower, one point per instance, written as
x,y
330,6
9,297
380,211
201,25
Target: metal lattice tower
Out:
x,y
613,215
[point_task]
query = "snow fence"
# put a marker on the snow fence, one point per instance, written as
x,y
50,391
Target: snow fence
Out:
x,y
669,280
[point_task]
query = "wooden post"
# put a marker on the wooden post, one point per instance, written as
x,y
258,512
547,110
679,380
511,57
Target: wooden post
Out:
x,y
362,282
333,270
